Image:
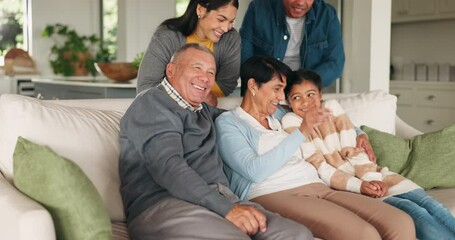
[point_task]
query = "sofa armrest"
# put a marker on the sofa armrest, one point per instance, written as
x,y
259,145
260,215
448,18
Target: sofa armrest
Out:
x,y
404,130
21,218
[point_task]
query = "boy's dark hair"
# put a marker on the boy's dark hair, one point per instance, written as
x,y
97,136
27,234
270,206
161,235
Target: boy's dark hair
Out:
x,y
297,77
186,24
262,69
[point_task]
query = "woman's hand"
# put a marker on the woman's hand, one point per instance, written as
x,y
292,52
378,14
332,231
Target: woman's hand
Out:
x,y
375,189
313,118
211,99
364,143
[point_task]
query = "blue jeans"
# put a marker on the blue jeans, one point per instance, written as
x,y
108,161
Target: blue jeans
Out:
x,y
432,220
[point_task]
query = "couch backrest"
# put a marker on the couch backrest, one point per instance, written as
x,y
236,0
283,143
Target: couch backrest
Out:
x,y
73,129
86,131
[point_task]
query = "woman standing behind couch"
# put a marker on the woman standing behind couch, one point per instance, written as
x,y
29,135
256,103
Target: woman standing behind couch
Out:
x,y
264,165
208,22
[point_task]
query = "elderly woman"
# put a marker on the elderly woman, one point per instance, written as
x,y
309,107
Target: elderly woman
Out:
x,y
264,165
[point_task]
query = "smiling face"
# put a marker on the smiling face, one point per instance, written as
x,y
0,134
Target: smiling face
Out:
x,y
303,97
212,25
297,8
268,95
192,74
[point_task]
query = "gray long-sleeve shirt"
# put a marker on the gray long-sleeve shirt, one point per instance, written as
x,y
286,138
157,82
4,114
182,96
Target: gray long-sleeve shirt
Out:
x,y
166,41
167,150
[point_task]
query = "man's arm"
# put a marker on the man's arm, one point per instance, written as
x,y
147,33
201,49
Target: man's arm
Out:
x,y
247,32
332,63
363,142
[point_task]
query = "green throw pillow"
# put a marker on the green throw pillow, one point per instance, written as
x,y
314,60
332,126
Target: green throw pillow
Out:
x,y
390,151
63,189
427,159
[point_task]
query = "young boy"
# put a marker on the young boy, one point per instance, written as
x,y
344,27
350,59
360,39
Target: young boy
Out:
x,y
330,147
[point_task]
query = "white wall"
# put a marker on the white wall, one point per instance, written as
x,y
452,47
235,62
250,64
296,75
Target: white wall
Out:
x,y
366,37
243,6
138,20
83,15
423,42
366,33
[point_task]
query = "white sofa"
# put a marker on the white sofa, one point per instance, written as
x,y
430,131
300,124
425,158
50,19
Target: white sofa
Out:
x,y
86,131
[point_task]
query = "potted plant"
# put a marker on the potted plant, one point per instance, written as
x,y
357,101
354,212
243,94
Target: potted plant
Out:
x,y
73,54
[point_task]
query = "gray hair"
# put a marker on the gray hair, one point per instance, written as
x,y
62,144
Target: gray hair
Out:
x,y
176,56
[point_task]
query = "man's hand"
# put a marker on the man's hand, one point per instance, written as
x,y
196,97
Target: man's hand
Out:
x,y
248,219
374,189
364,143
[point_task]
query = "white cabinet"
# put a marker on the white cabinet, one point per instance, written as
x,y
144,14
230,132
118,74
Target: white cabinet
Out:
x,y
52,88
427,106
446,7
5,85
20,84
422,10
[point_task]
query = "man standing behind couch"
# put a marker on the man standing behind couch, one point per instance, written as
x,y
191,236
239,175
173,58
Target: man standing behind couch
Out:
x,y
172,182
301,33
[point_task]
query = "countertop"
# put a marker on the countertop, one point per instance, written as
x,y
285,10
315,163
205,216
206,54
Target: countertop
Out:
x,y
84,81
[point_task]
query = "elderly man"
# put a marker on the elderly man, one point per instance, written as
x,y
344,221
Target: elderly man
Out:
x,y
301,33
173,185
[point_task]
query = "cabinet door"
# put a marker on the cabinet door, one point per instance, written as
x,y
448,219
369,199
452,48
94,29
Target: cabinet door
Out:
x,y
419,8
413,10
49,91
446,7
427,119
5,85
82,92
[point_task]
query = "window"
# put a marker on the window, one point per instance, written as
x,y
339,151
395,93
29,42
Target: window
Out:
x,y
11,26
180,7
109,26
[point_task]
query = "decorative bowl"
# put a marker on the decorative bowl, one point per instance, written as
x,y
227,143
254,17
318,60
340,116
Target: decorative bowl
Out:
x,y
117,71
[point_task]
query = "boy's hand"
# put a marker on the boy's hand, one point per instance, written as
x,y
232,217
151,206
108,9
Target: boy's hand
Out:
x,y
375,189
313,118
347,152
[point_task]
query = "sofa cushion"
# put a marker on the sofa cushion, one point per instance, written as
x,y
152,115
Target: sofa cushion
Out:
x,y
89,137
431,159
376,109
63,189
390,151
19,210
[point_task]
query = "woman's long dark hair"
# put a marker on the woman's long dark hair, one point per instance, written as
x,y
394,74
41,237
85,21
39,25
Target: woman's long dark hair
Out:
x,y
186,24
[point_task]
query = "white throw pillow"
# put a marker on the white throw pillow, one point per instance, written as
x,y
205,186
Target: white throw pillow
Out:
x,y
376,109
87,136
